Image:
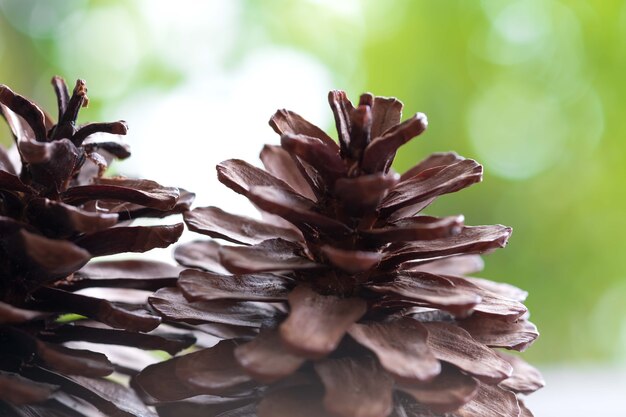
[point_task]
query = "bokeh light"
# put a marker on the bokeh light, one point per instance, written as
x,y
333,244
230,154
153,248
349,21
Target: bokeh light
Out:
x,y
533,89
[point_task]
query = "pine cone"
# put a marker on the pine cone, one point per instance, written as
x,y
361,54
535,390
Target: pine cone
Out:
x,y
56,213
361,304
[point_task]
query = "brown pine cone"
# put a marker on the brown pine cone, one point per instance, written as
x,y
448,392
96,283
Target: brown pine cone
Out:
x,y
57,212
360,306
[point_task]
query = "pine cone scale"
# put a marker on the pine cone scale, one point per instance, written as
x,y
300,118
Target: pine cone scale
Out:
x,y
62,94
379,153
295,209
147,194
416,228
454,345
408,362
200,255
280,164
491,401
314,151
287,122
301,401
56,258
317,323
432,183
18,390
171,304
74,361
240,176
213,371
355,387
171,343
359,195
31,114
104,311
11,182
386,113
112,128
238,229
447,392
11,314
64,220
6,166
526,379
266,358
270,255
515,335
206,286
341,108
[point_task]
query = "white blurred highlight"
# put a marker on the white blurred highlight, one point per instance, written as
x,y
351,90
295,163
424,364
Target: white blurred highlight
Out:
x,y
104,44
182,134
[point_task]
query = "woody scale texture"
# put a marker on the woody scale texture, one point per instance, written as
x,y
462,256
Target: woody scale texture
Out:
x,y
57,213
345,299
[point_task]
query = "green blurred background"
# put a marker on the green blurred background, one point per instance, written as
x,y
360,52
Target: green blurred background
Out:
x,y
531,89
